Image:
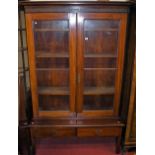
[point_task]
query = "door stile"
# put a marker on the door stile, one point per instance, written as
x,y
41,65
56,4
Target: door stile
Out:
x,y
72,53
120,64
32,64
80,63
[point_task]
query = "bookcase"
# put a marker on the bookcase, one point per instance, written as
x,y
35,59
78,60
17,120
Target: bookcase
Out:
x,y
76,53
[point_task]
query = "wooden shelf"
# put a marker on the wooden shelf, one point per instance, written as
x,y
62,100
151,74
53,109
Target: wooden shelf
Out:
x,y
53,91
102,29
66,55
48,29
94,55
99,90
52,69
100,68
51,55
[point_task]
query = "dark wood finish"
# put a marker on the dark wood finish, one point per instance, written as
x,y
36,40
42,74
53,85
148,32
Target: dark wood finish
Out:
x,y
77,122
89,132
22,101
106,131
76,59
130,136
118,146
44,132
98,90
129,61
53,91
99,123
47,68
72,53
106,77
98,2
24,98
31,55
129,71
24,141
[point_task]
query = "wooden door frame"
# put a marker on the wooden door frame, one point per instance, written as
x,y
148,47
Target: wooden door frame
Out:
x,y
31,55
129,140
122,17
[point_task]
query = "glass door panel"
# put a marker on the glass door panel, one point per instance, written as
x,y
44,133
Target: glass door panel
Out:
x,y
52,63
101,44
99,71
98,102
101,37
53,52
53,102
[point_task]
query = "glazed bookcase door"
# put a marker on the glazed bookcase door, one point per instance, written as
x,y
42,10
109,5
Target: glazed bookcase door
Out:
x,y
101,40
51,47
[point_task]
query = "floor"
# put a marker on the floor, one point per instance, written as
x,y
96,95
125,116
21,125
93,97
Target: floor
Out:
x,y
74,146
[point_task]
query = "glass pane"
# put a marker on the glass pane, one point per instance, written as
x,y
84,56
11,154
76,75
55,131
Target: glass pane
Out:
x,y
101,24
52,63
51,39
53,77
98,102
103,34
99,77
51,24
100,63
53,103
51,36
101,42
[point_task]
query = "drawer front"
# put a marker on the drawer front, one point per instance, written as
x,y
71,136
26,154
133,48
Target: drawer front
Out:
x,y
42,132
107,131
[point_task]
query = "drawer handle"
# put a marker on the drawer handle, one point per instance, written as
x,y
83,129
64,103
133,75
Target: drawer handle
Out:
x,y
98,131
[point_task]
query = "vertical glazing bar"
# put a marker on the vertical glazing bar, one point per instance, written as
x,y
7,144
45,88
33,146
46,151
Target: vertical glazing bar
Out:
x,y
22,47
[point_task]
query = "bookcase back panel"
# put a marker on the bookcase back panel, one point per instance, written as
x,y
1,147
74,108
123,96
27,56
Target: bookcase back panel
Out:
x,y
53,78
53,103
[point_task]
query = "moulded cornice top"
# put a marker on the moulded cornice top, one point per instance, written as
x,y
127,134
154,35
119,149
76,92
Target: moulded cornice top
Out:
x,y
78,0
40,2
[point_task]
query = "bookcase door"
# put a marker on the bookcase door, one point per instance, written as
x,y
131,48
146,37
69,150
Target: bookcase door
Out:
x,y
101,46
52,47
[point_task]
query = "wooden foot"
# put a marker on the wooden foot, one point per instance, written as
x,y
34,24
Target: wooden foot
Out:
x,y
32,150
118,145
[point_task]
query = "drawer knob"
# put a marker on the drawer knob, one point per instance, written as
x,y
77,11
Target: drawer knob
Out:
x,y
98,131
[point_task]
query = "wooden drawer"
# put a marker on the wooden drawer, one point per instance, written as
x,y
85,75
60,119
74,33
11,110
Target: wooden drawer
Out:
x,y
106,131
42,132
